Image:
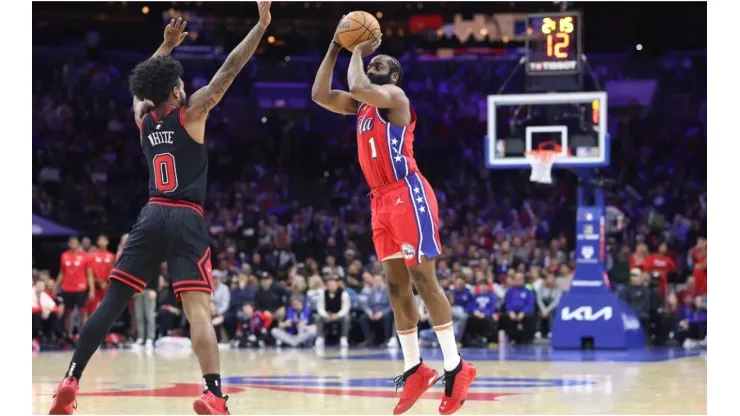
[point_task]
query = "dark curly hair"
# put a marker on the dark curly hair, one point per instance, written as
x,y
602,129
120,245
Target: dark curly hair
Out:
x,y
155,78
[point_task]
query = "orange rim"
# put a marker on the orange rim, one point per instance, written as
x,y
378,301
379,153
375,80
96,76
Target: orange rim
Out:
x,y
544,156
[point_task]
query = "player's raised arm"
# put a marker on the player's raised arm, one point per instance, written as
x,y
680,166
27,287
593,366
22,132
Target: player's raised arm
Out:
x,y
337,101
203,100
363,90
174,34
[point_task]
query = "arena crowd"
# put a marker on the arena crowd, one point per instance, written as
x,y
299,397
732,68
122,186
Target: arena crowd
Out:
x,y
289,220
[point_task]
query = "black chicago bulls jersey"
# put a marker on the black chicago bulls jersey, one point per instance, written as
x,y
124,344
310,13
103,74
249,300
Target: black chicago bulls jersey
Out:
x,y
178,166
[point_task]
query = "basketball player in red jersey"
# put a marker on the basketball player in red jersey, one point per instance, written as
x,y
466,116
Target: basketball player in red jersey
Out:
x,y
101,264
404,214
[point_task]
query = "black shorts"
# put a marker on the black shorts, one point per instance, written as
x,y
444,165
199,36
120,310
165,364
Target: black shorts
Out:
x,y
74,299
167,230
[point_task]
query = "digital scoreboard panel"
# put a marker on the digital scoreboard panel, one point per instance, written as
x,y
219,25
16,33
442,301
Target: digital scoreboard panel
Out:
x,y
553,44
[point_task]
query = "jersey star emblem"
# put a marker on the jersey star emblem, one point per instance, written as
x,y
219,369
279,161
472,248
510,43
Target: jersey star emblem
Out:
x,y
397,158
394,141
417,190
419,200
422,209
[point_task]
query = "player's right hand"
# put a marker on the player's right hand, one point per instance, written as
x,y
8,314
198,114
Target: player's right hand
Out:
x,y
264,9
369,46
173,33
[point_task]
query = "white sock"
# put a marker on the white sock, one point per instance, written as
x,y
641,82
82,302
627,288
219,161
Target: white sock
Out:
x,y
410,346
446,338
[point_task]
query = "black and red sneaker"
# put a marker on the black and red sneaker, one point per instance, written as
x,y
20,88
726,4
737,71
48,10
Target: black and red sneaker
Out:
x,y
456,382
415,382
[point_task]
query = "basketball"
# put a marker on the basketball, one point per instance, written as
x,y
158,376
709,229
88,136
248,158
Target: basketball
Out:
x,y
357,27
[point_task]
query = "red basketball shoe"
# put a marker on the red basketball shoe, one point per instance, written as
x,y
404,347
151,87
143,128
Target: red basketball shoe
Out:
x,y
456,384
210,404
64,399
415,382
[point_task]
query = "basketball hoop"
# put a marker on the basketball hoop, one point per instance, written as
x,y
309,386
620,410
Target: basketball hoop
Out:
x,y
542,159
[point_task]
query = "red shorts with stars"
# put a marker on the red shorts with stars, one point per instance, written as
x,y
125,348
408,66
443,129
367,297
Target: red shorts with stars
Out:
x,y
405,220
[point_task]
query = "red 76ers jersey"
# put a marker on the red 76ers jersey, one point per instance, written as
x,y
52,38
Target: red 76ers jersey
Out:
x,y
385,149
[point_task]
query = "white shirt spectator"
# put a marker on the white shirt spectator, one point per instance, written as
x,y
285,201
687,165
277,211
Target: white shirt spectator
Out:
x,y
43,302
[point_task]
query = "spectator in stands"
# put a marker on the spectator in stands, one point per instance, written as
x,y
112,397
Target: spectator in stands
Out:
x,y
638,257
296,329
253,327
463,295
221,296
269,297
692,325
378,314
637,296
315,291
688,291
619,274
481,326
518,320
668,320
169,314
698,263
332,268
44,310
333,307
298,286
548,298
217,319
662,264
564,277
243,291
145,309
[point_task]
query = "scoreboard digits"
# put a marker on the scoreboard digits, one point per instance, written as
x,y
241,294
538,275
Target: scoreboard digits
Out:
x,y
553,44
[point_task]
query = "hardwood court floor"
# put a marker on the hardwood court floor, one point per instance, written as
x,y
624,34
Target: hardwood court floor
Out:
x,y
534,380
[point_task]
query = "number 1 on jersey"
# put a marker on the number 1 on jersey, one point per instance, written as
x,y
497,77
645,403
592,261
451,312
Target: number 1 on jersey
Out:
x,y
373,152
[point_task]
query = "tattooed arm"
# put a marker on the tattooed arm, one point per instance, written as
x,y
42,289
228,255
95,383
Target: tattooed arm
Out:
x,y
203,100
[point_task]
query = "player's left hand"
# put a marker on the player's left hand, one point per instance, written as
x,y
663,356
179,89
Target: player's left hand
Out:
x,y
369,46
173,33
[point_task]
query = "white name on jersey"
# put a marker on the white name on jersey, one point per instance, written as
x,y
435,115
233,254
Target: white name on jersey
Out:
x,y
160,137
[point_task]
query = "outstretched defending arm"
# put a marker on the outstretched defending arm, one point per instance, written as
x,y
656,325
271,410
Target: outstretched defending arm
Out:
x,y
203,100
338,101
360,87
174,34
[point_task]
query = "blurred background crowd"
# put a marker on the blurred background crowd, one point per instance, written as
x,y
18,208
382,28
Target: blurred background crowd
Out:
x,y
287,206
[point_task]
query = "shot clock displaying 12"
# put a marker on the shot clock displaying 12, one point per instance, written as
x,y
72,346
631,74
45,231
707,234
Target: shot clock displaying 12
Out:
x,y
553,44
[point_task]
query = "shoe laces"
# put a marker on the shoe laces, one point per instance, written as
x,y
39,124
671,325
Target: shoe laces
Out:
x,y
448,380
401,380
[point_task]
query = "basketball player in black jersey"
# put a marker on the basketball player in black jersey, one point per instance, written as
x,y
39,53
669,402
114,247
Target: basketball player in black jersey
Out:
x,y
170,227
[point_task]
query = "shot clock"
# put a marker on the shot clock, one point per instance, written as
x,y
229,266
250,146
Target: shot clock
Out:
x,y
553,44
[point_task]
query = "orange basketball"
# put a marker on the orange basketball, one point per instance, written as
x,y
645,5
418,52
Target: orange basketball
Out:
x,y
357,27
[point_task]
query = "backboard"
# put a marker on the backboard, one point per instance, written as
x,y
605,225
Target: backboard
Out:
x,y
522,122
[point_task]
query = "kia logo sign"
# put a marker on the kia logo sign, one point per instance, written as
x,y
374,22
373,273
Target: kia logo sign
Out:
x,y
586,313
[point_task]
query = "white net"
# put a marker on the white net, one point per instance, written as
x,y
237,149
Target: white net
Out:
x,y
541,162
